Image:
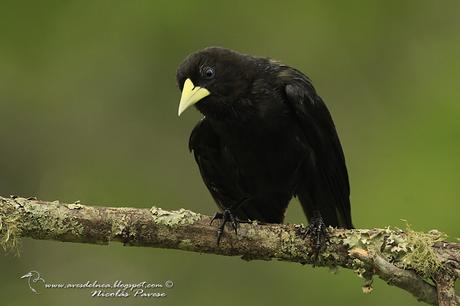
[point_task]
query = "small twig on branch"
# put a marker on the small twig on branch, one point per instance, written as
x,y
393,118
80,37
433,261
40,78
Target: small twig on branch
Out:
x,y
406,259
445,284
405,279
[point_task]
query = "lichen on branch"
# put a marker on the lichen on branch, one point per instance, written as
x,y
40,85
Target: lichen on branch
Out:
x,y
404,258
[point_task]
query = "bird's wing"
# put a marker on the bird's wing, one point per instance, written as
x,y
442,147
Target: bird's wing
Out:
x,y
216,170
319,130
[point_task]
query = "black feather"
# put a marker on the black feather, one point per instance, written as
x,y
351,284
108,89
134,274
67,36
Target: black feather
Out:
x,y
266,137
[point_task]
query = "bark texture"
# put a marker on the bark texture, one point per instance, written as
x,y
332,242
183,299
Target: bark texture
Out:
x,y
404,258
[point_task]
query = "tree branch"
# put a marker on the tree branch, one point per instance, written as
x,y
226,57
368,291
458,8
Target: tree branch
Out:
x,y
406,259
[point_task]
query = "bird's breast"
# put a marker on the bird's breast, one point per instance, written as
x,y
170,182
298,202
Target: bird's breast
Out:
x,y
267,158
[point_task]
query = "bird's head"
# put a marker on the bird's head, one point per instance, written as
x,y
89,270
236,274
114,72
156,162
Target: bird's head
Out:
x,y
214,80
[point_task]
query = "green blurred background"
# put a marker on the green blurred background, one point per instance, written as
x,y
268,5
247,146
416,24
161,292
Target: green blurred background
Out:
x,y
88,111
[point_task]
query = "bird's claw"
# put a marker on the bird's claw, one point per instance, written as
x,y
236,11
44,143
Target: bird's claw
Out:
x,y
225,217
318,235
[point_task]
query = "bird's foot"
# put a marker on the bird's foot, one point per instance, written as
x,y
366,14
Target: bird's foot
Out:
x,y
318,235
225,216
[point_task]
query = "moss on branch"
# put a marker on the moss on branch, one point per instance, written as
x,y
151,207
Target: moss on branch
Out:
x,y
404,258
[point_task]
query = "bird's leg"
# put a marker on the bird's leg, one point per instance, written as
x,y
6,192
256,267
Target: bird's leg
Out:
x,y
225,217
317,232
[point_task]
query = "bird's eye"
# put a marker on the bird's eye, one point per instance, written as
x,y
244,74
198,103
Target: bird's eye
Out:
x,y
208,72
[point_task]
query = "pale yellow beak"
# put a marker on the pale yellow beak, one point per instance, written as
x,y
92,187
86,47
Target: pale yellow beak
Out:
x,y
191,94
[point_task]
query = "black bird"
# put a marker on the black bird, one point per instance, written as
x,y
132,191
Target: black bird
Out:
x,y
265,137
